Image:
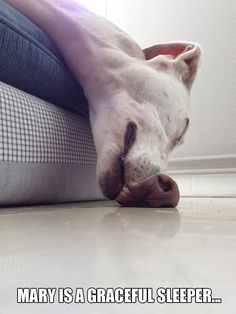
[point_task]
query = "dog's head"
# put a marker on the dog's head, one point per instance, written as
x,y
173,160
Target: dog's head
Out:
x,y
143,123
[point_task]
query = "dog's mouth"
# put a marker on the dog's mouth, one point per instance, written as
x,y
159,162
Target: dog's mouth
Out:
x,y
130,137
129,140
113,181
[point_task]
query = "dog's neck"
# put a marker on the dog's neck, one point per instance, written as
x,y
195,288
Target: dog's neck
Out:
x,y
89,43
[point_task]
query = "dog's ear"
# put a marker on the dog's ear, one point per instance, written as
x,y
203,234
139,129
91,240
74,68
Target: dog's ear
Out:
x,y
181,58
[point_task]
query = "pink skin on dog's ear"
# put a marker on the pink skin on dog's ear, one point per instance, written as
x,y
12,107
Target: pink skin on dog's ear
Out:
x,y
182,58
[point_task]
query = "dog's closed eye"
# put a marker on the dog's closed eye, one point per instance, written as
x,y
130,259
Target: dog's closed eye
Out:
x,y
179,139
184,131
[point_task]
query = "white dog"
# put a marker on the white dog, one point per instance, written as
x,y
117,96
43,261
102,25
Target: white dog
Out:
x,y
138,100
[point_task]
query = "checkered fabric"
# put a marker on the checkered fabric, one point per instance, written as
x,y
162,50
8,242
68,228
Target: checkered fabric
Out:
x,y
34,131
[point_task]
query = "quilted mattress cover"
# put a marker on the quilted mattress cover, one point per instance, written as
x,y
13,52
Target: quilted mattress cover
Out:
x,y
47,154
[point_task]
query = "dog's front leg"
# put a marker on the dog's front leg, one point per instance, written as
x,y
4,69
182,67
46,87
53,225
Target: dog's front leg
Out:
x,y
95,50
89,43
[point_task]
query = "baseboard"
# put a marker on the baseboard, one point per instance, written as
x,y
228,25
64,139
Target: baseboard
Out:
x,y
205,176
203,165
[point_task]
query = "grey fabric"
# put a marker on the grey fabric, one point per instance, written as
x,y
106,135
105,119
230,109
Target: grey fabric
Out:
x,y
41,183
30,62
32,130
46,153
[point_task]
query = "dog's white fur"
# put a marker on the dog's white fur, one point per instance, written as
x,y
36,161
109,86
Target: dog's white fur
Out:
x,y
123,84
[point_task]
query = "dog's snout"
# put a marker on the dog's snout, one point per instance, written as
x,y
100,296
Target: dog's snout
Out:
x,y
155,191
136,169
170,190
130,137
166,183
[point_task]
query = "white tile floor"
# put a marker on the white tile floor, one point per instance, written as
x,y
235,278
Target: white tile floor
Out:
x,y
102,245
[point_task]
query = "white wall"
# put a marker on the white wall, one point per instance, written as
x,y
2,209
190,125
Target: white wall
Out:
x,y
212,23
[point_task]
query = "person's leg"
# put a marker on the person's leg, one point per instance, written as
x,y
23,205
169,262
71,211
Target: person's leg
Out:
x,y
30,62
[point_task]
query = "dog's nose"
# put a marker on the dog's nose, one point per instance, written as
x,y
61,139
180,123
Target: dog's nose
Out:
x,y
155,191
